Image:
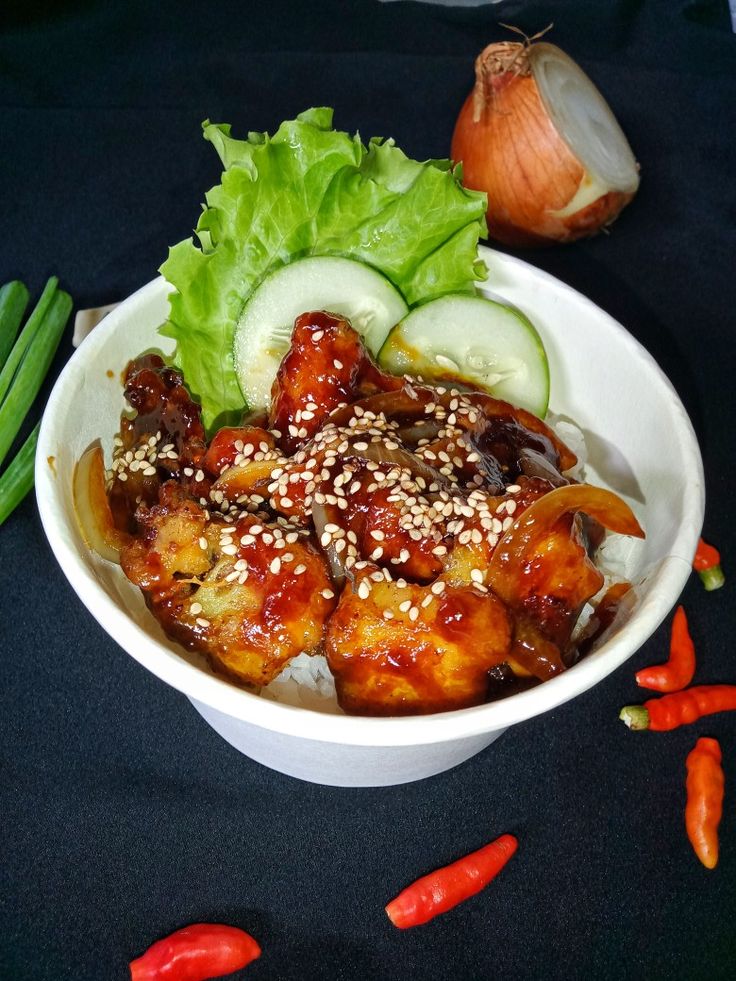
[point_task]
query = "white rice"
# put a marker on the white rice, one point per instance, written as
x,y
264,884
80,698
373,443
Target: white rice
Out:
x,y
306,682
572,435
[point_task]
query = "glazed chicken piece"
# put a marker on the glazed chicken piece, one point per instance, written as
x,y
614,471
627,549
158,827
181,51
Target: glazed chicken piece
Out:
x,y
164,439
396,648
326,366
249,595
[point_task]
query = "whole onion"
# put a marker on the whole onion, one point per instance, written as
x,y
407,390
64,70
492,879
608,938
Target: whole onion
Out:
x,y
538,137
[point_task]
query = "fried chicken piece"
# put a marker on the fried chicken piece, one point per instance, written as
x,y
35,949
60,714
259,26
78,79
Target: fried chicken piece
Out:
x,y
164,436
247,594
326,365
396,648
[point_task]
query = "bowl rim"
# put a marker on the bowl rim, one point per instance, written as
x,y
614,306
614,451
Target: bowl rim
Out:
x,y
665,585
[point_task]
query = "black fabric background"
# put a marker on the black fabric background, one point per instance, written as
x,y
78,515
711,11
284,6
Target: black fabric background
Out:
x,y
124,816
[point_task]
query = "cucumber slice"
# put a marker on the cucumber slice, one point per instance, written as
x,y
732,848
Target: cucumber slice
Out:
x,y
472,341
352,289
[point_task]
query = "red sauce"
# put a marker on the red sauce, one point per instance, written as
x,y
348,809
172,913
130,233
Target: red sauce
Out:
x,y
334,468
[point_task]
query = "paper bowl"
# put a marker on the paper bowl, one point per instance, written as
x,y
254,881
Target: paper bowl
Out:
x,y
641,445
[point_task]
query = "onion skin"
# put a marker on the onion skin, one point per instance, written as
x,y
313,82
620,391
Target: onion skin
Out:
x,y
510,148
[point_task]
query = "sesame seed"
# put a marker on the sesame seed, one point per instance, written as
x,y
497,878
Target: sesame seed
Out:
x,y
388,615
328,594
203,543
364,589
405,606
317,335
337,364
300,569
202,622
437,587
230,549
195,608
275,566
199,475
427,600
413,613
476,575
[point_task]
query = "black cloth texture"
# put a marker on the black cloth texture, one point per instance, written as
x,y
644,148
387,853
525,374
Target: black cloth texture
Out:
x,y
124,815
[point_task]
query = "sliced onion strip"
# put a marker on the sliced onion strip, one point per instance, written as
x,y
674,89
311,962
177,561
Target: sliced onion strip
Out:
x,y
93,508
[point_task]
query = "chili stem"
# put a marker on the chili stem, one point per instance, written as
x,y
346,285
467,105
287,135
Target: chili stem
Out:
x,y
18,478
712,578
635,716
13,302
34,363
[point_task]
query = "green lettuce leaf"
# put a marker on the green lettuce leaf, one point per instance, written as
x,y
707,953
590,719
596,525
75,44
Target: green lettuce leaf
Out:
x,y
310,190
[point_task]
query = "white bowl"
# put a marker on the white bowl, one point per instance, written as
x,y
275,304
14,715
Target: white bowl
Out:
x,y
641,445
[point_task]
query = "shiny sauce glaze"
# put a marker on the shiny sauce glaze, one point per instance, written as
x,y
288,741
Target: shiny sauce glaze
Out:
x,y
360,520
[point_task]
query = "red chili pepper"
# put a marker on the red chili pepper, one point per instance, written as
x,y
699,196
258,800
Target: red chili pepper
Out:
x,y
707,564
680,708
704,799
677,673
196,953
441,890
